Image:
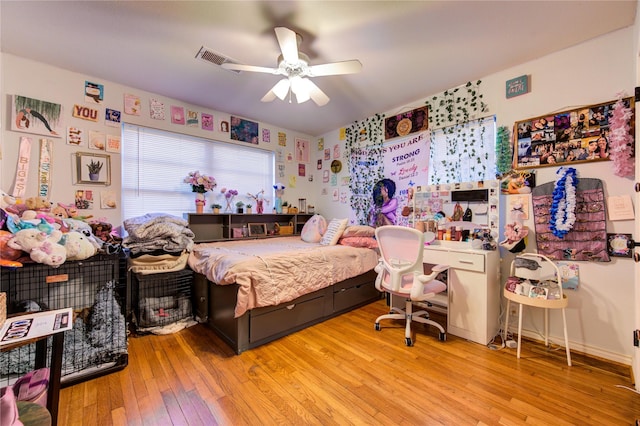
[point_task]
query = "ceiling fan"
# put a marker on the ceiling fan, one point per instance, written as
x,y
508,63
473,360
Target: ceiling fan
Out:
x,y
294,66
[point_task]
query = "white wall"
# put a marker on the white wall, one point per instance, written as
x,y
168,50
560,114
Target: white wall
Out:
x,y
601,313
24,77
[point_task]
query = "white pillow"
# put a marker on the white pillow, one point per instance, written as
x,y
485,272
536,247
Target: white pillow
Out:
x,y
334,232
313,229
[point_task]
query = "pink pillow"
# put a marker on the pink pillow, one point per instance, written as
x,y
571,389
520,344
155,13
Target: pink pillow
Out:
x,y
313,229
359,231
366,242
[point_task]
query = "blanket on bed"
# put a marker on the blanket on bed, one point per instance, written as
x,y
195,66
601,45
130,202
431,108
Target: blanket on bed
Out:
x,y
277,270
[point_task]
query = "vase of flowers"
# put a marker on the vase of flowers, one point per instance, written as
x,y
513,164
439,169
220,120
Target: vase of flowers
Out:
x,y
229,195
200,184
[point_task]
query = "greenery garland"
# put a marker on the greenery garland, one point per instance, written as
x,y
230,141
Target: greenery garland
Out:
x,y
448,111
368,136
504,151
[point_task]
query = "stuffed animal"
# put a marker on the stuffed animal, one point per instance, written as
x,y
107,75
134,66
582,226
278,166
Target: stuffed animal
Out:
x,y
42,247
39,204
59,211
6,200
78,246
6,252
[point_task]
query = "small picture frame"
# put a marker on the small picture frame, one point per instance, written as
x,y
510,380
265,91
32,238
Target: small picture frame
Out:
x,y
93,168
257,229
620,245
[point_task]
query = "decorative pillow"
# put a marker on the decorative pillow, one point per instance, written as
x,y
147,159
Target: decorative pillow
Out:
x,y
313,229
366,242
359,231
334,231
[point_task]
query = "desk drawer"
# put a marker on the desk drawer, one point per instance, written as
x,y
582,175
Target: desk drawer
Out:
x,y
455,259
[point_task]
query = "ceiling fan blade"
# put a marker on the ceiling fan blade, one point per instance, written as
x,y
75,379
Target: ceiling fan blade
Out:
x,y
252,68
345,67
280,90
315,93
288,41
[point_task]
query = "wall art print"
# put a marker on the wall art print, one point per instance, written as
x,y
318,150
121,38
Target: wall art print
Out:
x,y
406,123
244,130
574,136
35,116
207,121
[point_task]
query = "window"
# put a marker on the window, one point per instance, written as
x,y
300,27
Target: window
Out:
x,y
464,152
155,163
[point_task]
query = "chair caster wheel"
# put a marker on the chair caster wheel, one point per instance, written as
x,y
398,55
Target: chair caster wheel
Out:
x,y
442,337
408,341
377,326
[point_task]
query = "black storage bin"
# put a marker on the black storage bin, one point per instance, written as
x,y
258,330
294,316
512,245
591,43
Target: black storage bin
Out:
x,y
161,299
97,344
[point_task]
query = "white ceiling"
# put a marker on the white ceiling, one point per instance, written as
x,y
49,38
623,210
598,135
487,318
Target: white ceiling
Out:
x,y
409,49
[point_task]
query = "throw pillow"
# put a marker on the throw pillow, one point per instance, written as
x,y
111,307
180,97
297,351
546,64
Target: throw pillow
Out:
x,y
313,229
366,242
334,231
359,231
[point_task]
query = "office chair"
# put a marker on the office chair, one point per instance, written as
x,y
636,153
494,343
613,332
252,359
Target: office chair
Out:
x,y
400,273
536,267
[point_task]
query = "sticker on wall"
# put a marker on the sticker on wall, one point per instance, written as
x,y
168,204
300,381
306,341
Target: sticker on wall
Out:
x,y
177,115
335,195
108,199
319,165
224,126
302,150
132,104
93,92
192,118
302,171
282,139
336,151
207,122
113,143
156,109
292,181
75,136
320,144
96,140
327,154
343,197
35,116
112,117
84,199
325,176
266,135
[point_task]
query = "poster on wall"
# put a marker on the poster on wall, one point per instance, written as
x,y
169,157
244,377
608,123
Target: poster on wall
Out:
x,y
406,123
578,135
404,164
93,92
35,116
244,130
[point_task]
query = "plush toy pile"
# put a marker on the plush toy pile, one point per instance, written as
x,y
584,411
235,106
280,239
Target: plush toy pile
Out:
x,y
35,230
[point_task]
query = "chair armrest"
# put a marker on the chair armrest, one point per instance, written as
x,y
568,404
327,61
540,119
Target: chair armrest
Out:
x,y
439,268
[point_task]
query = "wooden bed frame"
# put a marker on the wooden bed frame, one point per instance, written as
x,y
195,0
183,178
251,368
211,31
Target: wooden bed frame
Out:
x,y
215,304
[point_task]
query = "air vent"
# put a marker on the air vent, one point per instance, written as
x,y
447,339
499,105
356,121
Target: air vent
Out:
x,y
208,55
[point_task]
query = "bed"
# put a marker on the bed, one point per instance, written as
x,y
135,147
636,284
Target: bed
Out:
x,y
256,291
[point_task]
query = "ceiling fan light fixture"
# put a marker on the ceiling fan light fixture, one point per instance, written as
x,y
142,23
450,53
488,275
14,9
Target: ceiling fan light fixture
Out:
x,y
281,89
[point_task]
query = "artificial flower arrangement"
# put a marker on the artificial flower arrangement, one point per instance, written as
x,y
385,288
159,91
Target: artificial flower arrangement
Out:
x,y
200,183
229,195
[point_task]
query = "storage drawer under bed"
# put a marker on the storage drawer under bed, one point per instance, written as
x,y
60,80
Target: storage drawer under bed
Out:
x,y
272,320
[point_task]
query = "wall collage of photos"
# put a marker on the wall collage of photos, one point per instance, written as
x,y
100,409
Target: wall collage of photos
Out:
x,y
578,135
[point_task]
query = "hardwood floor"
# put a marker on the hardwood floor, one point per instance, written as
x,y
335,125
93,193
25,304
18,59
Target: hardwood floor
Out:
x,y
344,372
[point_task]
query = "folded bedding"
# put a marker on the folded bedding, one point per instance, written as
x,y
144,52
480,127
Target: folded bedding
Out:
x,y
277,270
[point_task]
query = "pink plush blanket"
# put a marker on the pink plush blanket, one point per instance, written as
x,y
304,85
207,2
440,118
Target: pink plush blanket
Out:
x,y
277,270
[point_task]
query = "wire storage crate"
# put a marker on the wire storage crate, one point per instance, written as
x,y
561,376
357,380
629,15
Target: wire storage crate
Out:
x,y
162,299
97,344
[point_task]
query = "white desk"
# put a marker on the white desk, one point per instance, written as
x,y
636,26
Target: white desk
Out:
x,y
473,289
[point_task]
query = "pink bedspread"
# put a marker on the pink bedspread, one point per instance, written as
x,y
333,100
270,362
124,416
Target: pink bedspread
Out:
x,y
277,270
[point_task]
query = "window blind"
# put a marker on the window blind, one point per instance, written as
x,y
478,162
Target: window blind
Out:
x,y
155,163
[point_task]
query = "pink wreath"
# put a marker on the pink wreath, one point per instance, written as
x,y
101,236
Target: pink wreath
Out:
x,y
621,140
